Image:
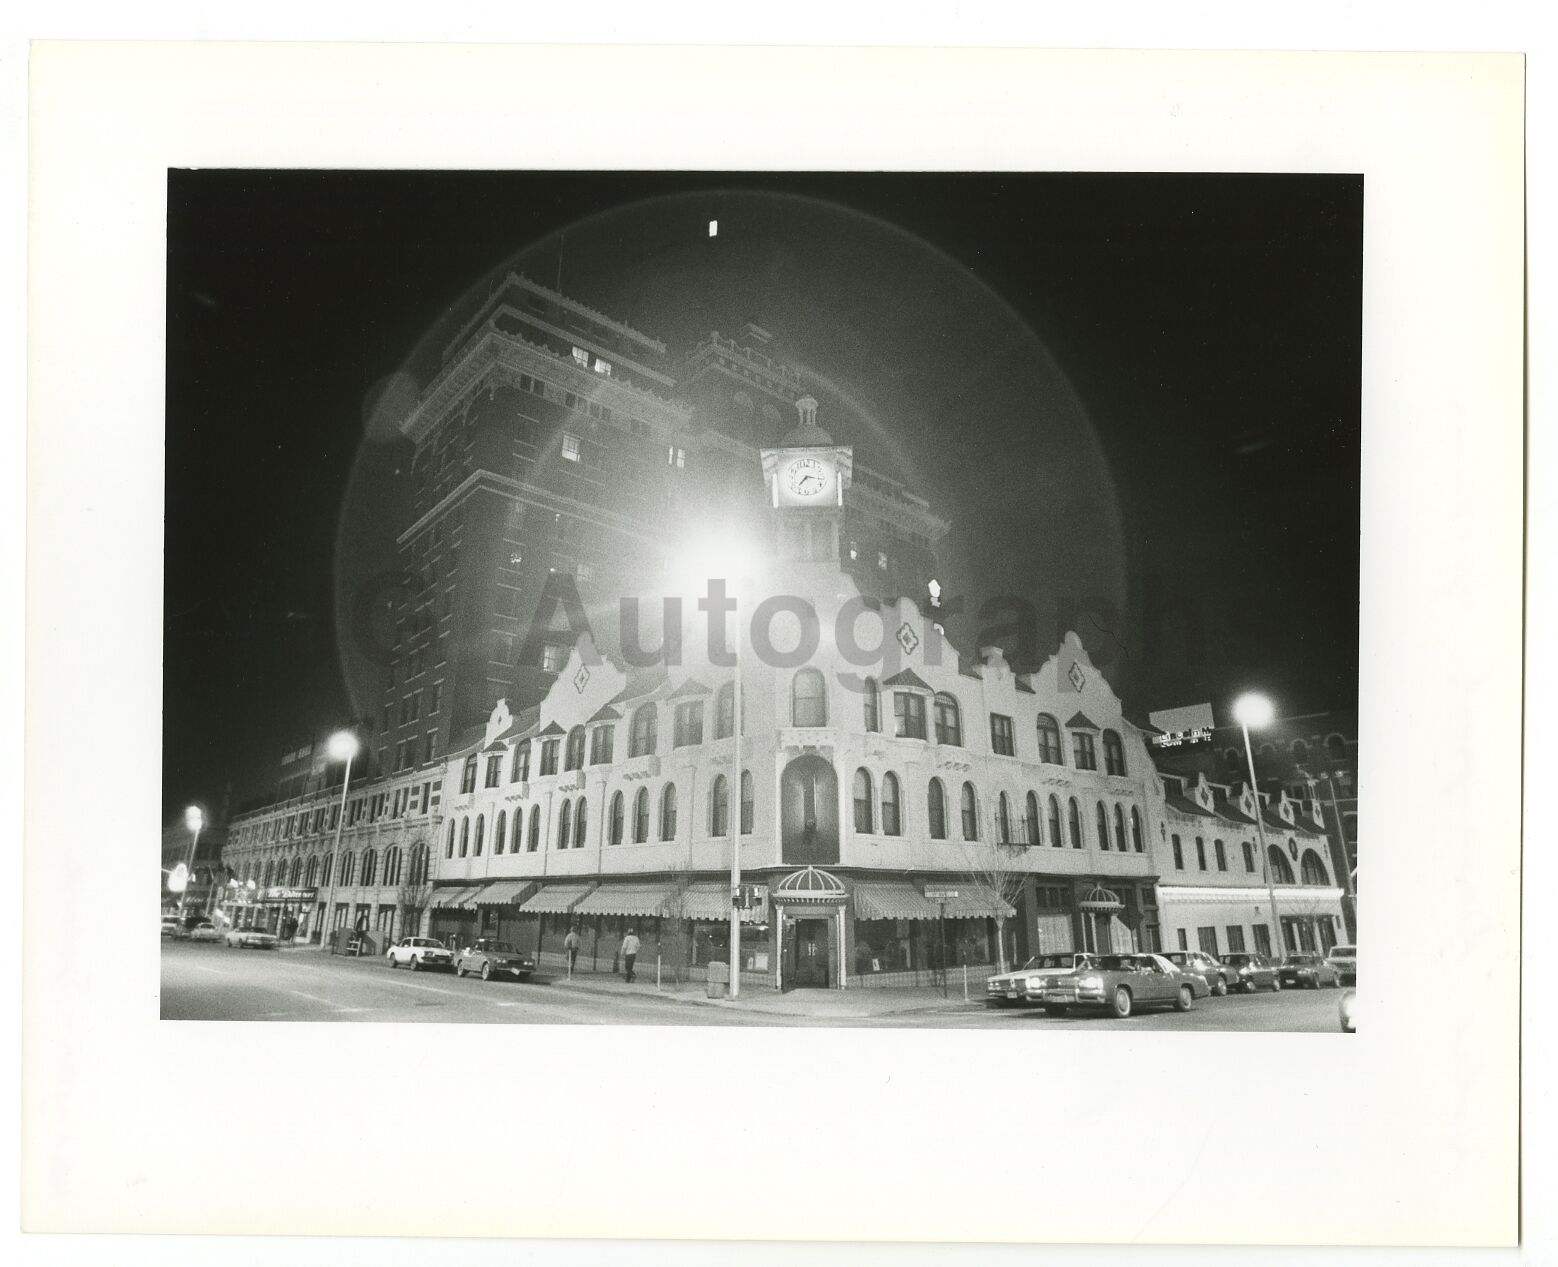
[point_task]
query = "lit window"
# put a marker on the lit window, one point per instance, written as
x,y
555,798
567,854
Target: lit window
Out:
x,y
582,357
603,368
553,656
1001,738
570,448
881,559
676,456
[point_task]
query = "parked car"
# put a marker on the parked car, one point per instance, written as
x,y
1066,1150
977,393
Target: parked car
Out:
x,y
1344,1012
492,958
1217,974
170,925
418,953
1345,960
205,930
1006,988
1122,984
251,939
1308,971
1254,972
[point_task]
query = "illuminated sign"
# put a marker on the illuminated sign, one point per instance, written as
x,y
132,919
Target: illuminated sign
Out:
x,y
1178,738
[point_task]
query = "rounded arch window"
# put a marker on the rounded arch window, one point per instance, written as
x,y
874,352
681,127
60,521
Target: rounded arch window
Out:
x,y
949,720
864,798
1281,873
641,816
936,809
500,832
1003,818
481,830
1030,821
1103,826
1114,753
891,805
465,836
580,817
808,698
1312,870
565,824
615,828
1049,740
1055,838
970,806
573,756
668,812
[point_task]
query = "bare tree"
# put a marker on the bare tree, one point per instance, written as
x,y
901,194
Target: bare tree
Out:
x,y
675,938
412,900
996,866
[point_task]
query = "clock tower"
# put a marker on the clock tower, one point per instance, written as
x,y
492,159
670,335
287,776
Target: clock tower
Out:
x,y
807,477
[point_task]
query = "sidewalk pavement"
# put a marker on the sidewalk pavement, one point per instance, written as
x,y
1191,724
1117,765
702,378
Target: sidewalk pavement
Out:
x,y
841,1005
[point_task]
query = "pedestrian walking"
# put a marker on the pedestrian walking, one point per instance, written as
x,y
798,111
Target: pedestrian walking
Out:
x,y
630,946
571,945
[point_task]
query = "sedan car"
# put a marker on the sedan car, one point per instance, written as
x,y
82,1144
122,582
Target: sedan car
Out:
x,y
1253,972
205,930
419,953
1006,988
1345,960
1122,984
1308,971
1344,1012
251,939
492,958
1218,975
170,925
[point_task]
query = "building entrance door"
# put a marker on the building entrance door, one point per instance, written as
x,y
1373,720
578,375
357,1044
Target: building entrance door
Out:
x,y
809,952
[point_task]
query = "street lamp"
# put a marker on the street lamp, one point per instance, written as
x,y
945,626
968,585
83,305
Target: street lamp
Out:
x,y
341,746
194,819
1341,837
1256,710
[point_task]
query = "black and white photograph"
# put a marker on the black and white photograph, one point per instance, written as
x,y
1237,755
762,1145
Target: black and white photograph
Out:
x,y
708,599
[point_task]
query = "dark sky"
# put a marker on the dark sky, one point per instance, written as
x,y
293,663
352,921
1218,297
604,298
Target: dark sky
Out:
x,y
1136,397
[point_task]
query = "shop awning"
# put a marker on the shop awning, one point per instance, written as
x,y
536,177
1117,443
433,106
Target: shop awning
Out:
x,y
646,900
978,902
893,901
502,892
454,897
707,901
554,899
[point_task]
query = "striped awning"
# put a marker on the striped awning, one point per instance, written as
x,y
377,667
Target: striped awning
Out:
x,y
893,901
454,896
707,901
978,902
554,899
646,900
502,892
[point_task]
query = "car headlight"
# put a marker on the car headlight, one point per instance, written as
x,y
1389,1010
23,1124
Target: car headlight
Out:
x,y
1091,983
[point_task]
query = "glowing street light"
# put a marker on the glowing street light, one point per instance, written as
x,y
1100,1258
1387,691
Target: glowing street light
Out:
x,y
194,819
1257,711
341,746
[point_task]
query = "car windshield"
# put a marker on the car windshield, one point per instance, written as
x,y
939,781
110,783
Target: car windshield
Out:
x,y
1237,960
1055,961
1114,963
1301,959
427,941
500,947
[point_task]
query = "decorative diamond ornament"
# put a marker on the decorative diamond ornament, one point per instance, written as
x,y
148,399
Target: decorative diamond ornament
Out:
x,y
907,638
581,679
1078,678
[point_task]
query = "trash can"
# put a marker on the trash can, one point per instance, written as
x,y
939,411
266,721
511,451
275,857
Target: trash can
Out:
x,y
718,979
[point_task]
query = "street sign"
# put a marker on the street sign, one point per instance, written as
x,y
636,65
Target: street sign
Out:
x,y
940,895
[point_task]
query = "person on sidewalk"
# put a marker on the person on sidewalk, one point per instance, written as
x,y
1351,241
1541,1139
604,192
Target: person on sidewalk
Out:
x,y
571,945
630,946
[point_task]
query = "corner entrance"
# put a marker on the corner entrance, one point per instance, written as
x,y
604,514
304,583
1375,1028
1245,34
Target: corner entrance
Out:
x,y
809,951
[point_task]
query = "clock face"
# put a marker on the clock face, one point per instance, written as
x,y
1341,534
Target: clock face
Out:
x,y
806,477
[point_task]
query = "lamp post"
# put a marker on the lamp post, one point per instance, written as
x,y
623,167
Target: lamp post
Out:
x,y
733,811
342,746
1341,837
1256,710
194,819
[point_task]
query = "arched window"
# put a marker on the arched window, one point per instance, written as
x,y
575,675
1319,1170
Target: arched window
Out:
x,y
668,812
970,813
533,840
465,836
419,865
864,812
641,741
500,833
1049,741
1136,829
949,721
1200,854
1249,856
391,857
641,816
1281,873
468,775
615,828
1300,751
1075,814
1312,870
312,873
449,844
725,711
565,824
1336,747
1003,819
481,832
370,867
1266,752
808,699
719,806
1220,855
746,802
580,818
1119,827
1030,822
1103,826
297,872
871,703
573,755
348,868
519,831
1056,840
936,809
521,771
1114,753
324,872
892,818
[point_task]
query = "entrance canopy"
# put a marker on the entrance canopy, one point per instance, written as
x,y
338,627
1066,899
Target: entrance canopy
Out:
x,y
810,885
554,899
1101,901
893,901
502,892
645,900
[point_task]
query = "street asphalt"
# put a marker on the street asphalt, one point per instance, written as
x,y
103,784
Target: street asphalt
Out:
x,y
204,982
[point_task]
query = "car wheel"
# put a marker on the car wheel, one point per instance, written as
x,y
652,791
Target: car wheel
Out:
x,y
1122,1002
1185,1000
416,963
1221,988
1276,985
390,959
524,976
459,971
1054,1009
486,972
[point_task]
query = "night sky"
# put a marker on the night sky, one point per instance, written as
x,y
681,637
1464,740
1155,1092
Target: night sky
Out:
x,y
1136,398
